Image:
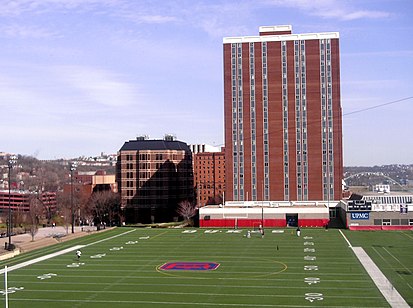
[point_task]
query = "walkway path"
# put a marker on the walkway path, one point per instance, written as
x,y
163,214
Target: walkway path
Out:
x,y
44,237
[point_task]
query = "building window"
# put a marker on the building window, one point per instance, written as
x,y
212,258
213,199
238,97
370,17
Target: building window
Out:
x,y
386,222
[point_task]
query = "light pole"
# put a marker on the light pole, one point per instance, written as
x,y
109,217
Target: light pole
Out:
x,y
11,162
72,213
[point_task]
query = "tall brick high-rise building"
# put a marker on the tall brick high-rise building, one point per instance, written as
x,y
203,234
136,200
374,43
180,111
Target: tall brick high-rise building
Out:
x,y
209,177
153,177
283,118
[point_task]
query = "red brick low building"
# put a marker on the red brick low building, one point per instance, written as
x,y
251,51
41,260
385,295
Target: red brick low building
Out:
x,y
20,201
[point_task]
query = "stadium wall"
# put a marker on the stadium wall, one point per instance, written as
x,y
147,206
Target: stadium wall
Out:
x,y
380,220
267,223
222,217
379,228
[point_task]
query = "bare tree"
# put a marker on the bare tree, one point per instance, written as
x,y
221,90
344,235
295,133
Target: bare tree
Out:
x,y
64,210
82,209
35,212
105,205
187,210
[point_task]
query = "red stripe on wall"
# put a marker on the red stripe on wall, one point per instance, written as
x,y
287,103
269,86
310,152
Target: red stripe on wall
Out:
x,y
377,228
251,223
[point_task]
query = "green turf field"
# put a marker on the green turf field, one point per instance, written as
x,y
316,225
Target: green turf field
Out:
x,y
392,252
122,268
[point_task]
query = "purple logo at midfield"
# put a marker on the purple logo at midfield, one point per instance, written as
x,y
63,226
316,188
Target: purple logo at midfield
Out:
x,y
189,266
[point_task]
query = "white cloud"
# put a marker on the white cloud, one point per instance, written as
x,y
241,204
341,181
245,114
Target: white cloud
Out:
x,y
99,86
213,17
365,14
20,31
330,9
16,98
385,53
138,11
158,19
152,19
19,7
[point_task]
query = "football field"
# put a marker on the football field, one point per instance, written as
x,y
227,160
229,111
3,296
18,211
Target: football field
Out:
x,y
210,268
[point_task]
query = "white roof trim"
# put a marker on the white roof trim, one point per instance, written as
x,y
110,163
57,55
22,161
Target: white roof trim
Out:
x,y
275,28
279,38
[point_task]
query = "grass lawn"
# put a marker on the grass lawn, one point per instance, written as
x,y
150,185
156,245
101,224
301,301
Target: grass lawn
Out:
x,y
392,252
123,268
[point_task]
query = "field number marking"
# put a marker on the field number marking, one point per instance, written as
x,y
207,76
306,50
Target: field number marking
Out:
x,y
312,280
308,243
116,248
211,231
131,242
46,276
310,267
11,290
309,250
75,264
311,297
310,258
98,256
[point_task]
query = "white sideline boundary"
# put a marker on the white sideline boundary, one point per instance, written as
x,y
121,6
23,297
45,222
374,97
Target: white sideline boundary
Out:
x,y
42,258
391,295
58,253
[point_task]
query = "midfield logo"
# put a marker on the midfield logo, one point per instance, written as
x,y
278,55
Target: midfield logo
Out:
x,y
189,266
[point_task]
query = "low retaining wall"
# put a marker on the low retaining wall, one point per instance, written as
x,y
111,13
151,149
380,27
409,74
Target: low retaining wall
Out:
x,y
9,254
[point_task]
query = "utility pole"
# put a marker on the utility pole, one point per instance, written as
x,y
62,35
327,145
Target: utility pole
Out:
x,y
72,168
11,162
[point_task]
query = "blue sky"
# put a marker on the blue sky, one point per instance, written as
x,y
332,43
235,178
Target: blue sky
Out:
x,y
70,68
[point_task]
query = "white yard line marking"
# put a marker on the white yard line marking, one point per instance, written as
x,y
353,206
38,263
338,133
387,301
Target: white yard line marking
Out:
x,y
383,284
109,238
408,270
392,267
348,242
42,258
209,294
160,303
407,235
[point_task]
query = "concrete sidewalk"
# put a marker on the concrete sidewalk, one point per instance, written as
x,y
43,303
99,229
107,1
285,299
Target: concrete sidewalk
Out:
x,y
44,237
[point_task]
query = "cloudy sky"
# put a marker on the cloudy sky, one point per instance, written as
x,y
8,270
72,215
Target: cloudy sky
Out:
x,y
81,77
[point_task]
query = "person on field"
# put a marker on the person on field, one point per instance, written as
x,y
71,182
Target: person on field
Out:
x,y
298,231
78,254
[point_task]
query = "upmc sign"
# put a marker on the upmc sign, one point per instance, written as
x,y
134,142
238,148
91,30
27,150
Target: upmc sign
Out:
x,y
360,215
